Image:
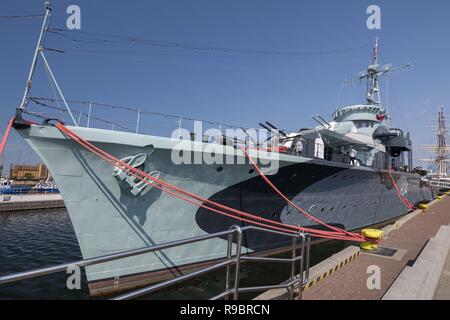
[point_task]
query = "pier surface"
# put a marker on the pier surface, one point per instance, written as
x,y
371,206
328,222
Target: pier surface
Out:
x,y
443,289
10,203
413,263
410,241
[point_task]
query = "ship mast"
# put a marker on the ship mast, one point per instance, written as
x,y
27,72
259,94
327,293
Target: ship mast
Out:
x,y
373,89
39,52
39,48
372,74
441,150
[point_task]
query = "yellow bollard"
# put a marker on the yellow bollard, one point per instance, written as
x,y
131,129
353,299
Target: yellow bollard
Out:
x,y
439,198
423,206
374,234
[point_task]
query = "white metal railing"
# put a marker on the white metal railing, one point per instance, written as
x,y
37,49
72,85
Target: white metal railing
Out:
x,y
233,289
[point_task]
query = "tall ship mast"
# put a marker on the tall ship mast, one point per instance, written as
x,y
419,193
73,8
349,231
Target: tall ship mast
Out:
x,y
337,171
439,164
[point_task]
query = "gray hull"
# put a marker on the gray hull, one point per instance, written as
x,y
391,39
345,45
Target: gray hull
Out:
x,y
108,215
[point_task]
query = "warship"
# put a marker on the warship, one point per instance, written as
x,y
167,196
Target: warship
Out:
x,y
337,170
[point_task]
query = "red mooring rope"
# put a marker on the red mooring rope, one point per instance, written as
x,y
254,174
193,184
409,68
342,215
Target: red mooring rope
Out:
x,y
338,234
301,210
405,200
6,135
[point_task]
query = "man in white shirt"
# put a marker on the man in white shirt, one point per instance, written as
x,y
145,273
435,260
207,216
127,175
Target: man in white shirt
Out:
x,y
352,154
299,147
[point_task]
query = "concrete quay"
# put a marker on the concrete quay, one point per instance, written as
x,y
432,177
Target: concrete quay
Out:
x,y
412,263
12,203
421,280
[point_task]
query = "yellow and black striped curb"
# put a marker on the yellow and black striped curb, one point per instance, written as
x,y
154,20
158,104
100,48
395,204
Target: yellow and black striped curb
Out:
x,y
319,278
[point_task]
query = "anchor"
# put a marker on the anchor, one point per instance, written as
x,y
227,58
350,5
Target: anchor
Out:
x,y
130,182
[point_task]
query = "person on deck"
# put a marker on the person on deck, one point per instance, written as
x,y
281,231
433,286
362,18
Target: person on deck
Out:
x,y
299,147
352,154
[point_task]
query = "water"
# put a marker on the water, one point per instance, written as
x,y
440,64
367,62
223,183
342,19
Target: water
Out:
x,y
38,239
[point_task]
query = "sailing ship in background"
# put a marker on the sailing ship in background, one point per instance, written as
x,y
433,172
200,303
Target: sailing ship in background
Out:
x,y
111,212
438,175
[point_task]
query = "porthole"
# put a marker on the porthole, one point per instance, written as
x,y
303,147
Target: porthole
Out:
x,y
251,171
219,169
294,175
321,210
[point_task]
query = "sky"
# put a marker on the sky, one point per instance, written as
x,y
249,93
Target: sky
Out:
x,y
235,87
